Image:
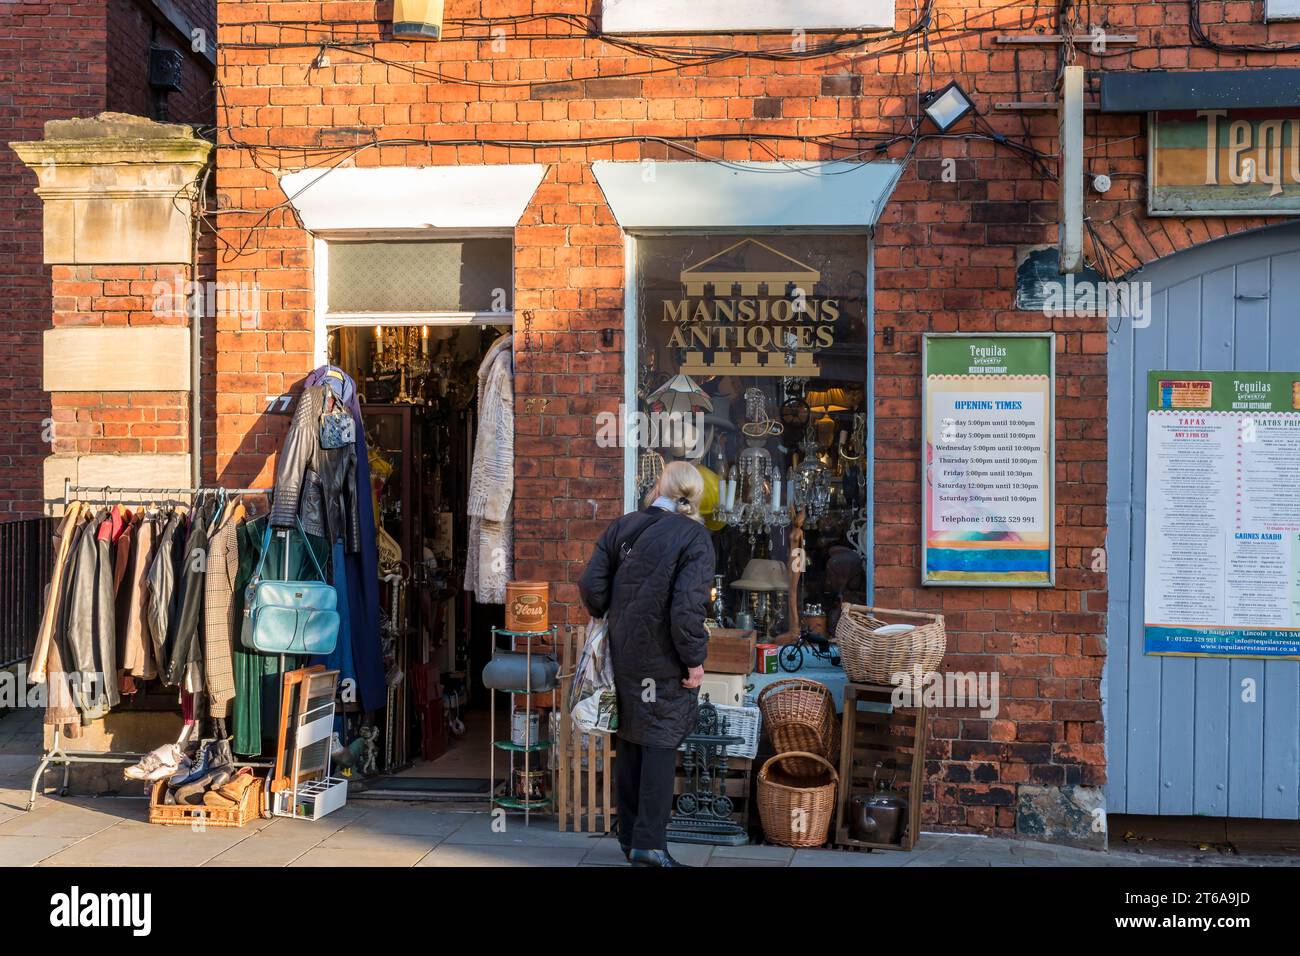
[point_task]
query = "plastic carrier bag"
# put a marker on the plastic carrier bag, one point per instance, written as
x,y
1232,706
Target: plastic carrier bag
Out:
x,y
593,703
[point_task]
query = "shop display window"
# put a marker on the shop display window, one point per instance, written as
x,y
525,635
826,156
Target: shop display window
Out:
x,y
758,348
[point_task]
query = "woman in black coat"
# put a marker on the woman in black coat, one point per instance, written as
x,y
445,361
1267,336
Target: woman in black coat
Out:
x,y
650,576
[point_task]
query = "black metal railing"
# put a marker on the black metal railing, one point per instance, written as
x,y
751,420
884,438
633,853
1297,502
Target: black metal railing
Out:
x,y
26,558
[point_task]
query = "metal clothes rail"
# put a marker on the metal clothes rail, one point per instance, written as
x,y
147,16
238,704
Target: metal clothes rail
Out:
x,y
56,755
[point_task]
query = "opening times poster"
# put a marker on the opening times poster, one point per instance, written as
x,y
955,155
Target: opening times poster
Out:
x,y
1223,514
988,459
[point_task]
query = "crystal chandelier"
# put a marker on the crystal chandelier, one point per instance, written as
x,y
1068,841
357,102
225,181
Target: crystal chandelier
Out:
x,y
810,484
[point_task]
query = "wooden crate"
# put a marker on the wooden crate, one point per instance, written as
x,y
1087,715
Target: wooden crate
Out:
x,y
200,817
584,772
895,739
731,651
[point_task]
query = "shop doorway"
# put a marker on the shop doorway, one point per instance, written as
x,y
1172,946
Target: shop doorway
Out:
x,y
419,404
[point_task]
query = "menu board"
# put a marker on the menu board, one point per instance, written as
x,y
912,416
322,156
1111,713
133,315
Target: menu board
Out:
x,y
988,489
1223,514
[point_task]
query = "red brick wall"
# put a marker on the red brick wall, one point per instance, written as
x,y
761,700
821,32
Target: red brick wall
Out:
x,y
105,423
132,27
51,67
946,255
59,61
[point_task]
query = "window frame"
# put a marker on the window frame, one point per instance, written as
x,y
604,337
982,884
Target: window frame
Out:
x,y
325,320
632,358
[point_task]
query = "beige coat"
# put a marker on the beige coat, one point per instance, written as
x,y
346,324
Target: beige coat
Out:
x,y
490,560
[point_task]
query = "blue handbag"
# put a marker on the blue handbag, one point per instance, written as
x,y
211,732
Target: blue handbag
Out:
x,y
290,617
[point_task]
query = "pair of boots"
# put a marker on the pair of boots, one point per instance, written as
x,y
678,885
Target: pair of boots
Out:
x,y
231,794
212,769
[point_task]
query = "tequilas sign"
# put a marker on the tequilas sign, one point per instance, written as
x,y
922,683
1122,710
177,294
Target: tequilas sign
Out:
x,y
1223,162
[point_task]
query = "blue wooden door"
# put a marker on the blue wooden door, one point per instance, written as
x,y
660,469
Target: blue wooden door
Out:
x,y
1182,735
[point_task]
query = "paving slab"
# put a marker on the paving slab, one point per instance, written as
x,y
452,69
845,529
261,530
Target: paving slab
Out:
x,y
756,851
848,858
414,821
140,844
478,829
31,850
59,820
504,855
356,856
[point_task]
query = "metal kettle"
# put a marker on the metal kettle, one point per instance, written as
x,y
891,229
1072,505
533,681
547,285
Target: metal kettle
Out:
x,y
878,818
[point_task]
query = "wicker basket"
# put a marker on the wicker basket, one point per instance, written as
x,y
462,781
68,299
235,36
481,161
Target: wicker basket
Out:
x,y
744,722
869,659
800,718
796,810
201,816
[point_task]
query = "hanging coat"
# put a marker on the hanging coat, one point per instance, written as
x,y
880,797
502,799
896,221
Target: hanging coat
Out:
x,y
489,562
362,566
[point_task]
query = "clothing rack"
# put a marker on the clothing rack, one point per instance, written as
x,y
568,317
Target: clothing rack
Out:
x,y
56,755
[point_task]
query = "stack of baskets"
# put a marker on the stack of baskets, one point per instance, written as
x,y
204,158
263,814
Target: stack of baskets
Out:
x,y
796,788
870,657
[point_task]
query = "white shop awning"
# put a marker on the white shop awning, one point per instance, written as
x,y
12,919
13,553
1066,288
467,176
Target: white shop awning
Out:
x,y
652,194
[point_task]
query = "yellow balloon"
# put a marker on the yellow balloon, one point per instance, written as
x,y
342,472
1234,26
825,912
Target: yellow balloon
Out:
x,y
709,500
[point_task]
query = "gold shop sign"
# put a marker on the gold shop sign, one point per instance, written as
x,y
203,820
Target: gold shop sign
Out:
x,y
750,310
1221,162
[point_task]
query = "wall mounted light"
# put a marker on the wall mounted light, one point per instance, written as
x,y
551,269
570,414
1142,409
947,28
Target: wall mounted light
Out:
x,y
417,19
947,105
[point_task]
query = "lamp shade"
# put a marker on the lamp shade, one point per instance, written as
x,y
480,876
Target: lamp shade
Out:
x,y
835,399
417,19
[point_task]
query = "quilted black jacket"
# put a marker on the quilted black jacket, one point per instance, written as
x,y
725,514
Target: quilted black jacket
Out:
x,y
655,595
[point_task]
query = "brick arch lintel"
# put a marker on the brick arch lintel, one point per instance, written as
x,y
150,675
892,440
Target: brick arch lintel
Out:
x,y
1133,241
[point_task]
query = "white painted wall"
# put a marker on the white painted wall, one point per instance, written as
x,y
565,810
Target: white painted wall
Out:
x,y
717,16
1282,10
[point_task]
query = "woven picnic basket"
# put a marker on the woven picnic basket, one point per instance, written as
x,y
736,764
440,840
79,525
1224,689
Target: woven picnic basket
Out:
x,y
796,810
869,658
800,717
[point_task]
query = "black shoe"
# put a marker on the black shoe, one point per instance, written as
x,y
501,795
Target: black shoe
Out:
x,y
215,755
652,858
627,851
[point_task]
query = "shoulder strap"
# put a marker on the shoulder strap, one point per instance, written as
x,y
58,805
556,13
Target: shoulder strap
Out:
x,y
266,546
625,547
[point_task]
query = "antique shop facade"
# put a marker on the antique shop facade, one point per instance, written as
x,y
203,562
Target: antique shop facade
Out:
x,y
779,241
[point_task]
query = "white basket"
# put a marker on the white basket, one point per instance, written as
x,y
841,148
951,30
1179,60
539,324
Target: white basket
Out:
x,y
744,722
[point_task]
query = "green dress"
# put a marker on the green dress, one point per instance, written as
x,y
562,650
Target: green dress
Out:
x,y
257,675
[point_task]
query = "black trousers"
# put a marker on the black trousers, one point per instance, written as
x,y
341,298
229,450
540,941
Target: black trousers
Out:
x,y
643,779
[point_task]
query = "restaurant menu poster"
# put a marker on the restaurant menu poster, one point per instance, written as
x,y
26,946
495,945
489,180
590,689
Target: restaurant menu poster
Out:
x,y
1223,514
988,490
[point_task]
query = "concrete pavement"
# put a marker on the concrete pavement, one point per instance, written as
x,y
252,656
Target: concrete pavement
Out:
x,y
113,831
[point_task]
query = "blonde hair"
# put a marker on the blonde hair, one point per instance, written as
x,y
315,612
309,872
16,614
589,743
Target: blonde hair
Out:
x,y
681,482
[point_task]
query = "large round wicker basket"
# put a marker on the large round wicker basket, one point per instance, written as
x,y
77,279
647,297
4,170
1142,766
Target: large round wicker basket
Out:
x,y
870,658
796,810
799,716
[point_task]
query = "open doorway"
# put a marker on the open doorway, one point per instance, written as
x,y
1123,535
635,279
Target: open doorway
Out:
x,y
419,397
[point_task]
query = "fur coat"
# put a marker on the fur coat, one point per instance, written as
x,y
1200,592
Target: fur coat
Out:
x,y
490,561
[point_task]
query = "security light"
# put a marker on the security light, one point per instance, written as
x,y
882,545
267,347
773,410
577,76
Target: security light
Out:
x,y
947,105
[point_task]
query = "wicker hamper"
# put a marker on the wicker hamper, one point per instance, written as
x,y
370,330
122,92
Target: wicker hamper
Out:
x,y
248,809
800,718
871,659
796,810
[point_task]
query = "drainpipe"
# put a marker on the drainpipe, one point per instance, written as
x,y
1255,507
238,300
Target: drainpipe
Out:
x,y
196,336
